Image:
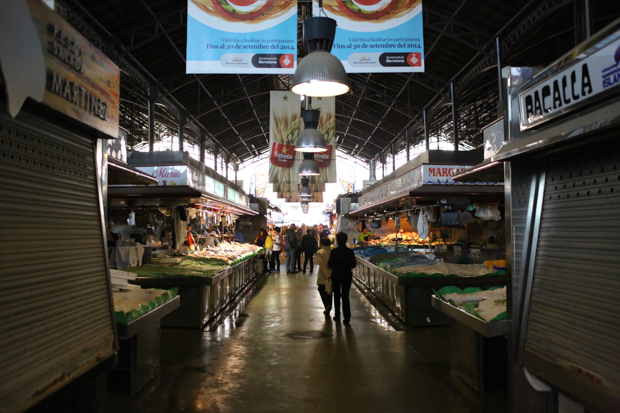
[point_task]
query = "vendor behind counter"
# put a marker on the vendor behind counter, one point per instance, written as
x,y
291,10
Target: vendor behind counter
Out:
x,y
365,236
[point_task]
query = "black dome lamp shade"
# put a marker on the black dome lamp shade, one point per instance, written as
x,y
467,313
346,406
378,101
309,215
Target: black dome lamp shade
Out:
x,y
310,139
304,191
320,73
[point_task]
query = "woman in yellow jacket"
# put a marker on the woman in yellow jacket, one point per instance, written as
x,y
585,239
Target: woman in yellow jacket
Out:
x,y
268,249
324,277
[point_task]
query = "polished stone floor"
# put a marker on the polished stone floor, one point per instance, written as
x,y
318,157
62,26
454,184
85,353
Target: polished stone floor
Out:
x,y
277,352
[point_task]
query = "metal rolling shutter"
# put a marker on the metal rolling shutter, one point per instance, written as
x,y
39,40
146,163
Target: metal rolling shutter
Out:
x,y
55,304
573,325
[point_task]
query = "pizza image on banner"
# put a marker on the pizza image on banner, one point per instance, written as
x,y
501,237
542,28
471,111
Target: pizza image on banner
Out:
x,y
241,36
377,36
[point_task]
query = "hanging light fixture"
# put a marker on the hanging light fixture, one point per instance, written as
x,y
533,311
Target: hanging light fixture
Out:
x,y
304,190
310,139
320,73
308,165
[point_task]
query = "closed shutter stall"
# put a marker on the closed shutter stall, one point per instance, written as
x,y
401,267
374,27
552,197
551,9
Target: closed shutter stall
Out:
x,y
573,325
55,304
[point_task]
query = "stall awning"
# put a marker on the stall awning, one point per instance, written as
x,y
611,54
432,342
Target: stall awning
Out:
x,y
487,171
158,196
119,173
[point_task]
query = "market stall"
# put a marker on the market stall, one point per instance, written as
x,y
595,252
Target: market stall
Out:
x,y
560,163
408,294
478,330
138,316
207,281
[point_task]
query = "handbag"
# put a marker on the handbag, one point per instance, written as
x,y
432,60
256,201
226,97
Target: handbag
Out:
x,y
328,286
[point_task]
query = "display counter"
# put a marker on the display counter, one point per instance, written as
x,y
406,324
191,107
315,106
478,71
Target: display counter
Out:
x,y
204,297
478,348
139,348
409,298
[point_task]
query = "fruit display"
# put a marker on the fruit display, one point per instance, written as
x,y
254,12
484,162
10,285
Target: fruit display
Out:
x,y
489,305
403,238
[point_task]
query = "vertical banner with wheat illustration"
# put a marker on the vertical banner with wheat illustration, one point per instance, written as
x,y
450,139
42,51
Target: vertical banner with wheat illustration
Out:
x,y
284,128
326,160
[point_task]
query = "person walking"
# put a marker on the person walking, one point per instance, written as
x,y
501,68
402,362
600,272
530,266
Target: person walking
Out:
x,y
290,245
309,246
277,248
324,276
342,261
299,234
268,250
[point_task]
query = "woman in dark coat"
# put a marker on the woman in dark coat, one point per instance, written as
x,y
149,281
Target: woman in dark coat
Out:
x,y
309,246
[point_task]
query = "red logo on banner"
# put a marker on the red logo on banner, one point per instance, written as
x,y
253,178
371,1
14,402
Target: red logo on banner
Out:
x,y
287,61
323,159
282,155
414,59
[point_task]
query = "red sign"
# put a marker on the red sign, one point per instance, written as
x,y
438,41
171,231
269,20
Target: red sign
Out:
x,y
324,159
414,59
282,155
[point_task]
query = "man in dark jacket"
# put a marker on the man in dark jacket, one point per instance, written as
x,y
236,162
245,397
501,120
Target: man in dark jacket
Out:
x,y
309,246
342,261
290,245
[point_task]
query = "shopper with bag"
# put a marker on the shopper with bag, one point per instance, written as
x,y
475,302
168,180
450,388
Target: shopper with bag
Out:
x,y
324,277
342,261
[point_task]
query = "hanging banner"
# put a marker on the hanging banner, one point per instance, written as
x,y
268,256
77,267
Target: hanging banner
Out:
x,y
241,36
284,128
375,36
327,126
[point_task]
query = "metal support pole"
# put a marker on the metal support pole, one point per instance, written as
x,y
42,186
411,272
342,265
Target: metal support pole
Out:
x,y
215,160
407,143
153,95
498,53
581,10
455,117
393,156
182,121
203,141
427,139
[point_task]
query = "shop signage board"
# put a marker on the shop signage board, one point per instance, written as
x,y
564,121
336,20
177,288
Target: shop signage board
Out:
x,y
591,74
241,36
218,189
422,175
81,82
377,36
185,175
117,148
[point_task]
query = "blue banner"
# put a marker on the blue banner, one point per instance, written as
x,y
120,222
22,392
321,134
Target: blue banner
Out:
x,y
377,36
241,36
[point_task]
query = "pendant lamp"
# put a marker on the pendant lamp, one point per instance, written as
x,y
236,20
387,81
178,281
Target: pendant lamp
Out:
x,y
308,165
310,139
304,191
320,73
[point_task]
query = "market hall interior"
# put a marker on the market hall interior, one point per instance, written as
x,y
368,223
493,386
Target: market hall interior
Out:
x,y
277,352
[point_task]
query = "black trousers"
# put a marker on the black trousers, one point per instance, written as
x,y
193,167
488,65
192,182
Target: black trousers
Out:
x,y
297,262
309,257
341,290
326,298
275,260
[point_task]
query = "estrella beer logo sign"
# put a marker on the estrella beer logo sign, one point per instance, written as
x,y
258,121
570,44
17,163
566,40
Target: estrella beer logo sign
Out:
x,y
282,155
324,159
